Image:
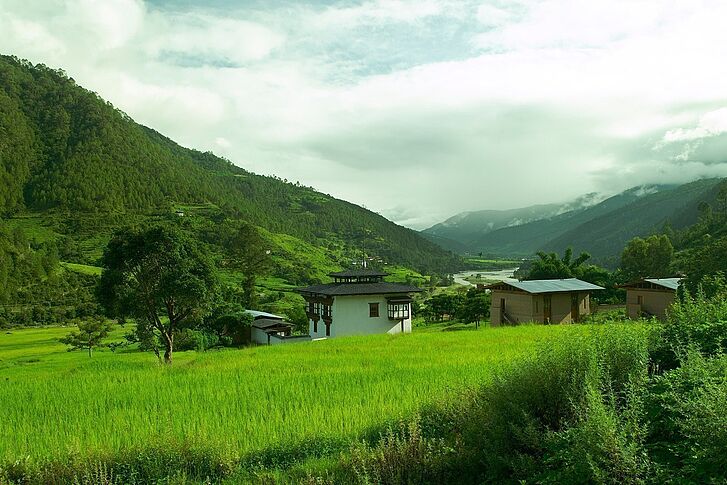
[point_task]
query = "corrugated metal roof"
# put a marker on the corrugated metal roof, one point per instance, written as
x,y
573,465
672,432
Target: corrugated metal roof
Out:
x,y
256,314
552,286
340,289
670,283
265,323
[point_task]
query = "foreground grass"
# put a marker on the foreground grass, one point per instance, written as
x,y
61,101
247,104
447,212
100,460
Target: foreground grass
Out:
x,y
57,403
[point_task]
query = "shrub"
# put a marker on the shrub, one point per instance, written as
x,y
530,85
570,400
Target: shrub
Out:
x,y
188,339
696,323
687,412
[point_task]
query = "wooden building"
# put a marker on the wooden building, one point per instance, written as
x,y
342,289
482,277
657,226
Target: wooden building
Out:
x,y
540,301
358,302
650,297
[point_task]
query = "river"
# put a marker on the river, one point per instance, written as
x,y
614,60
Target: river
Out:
x,y
500,274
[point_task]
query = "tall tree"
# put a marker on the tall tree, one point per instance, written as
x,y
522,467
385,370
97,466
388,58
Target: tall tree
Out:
x,y
650,257
249,254
160,277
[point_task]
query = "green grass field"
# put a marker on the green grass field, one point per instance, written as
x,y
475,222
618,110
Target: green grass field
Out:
x,y
56,402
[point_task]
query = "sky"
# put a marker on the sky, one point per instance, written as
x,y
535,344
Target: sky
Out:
x,y
414,109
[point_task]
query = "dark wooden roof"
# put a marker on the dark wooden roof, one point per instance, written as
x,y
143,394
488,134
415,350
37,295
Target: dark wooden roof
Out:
x,y
340,289
357,273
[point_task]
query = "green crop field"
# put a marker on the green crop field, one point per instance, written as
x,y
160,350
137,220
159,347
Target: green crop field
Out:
x,y
57,403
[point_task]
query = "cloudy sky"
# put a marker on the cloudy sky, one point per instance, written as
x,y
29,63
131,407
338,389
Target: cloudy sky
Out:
x,y
415,109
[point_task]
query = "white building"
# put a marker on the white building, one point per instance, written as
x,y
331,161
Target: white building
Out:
x,y
358,302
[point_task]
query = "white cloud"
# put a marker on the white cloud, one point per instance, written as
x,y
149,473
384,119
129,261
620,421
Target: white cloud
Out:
x,y
462,105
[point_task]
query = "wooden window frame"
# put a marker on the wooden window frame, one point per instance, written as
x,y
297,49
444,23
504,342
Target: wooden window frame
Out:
x,y
374,310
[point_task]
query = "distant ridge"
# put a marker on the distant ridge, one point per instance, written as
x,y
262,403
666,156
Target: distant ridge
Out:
x,y
601,228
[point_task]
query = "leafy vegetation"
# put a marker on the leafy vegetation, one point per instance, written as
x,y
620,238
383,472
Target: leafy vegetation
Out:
x,y
258,407
64,149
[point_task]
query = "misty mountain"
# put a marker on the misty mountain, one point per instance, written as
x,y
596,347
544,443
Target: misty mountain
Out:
x,y
601,229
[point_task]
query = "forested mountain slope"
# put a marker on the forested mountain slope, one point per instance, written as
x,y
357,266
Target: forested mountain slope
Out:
x,y
605,236
526,239
63,149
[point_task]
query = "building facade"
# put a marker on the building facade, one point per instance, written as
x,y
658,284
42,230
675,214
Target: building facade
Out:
x,y
540,301
650,297
358,302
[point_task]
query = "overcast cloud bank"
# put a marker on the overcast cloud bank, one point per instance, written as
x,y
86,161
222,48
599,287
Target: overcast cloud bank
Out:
x,y
415,109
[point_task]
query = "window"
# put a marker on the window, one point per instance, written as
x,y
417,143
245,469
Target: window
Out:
x,y
326,310
311,308
640,299
398,311
373,310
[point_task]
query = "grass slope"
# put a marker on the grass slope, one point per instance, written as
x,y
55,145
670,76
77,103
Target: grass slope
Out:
x,y
243,401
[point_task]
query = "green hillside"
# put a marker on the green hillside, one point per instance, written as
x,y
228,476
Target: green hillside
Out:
x,y
73,166
604,228
605,236
526,239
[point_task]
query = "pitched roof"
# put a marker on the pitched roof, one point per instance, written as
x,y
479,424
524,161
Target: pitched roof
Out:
x,y
550,286
357,273
256,315
265,323
667,283
340,289
670,283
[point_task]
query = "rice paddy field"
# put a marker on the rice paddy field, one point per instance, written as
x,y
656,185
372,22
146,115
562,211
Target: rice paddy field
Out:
x,y
57,404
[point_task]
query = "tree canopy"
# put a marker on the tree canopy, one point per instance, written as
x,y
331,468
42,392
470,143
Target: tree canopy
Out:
x,y
650,257
160,277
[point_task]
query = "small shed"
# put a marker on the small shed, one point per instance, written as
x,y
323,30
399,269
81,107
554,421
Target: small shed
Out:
x,y
271,329
540,301
263,328
650,297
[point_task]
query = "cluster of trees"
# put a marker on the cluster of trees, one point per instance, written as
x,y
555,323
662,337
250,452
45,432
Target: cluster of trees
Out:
x,y
471,306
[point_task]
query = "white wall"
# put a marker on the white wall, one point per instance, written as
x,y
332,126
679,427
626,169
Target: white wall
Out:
x,y
350,316
259,336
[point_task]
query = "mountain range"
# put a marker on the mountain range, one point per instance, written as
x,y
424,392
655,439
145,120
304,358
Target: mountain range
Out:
x,y
600,226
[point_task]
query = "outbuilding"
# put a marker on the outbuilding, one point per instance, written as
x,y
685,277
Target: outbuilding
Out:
x,y
650,297
358,302
270,329
540,301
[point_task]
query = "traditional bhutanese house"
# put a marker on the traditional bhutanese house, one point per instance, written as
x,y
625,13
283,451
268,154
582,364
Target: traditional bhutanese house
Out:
x,y
358,302
540,301
650,296
270,329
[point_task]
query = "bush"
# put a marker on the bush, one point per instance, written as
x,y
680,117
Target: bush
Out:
x,y
198,340
687,412
696,324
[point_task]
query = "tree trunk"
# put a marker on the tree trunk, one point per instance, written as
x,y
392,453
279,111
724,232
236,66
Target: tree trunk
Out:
x,y
168,348
89,351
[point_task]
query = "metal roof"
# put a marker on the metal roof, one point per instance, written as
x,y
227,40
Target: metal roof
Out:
x,y
256,314
265,323
357,273
340,289
550,286
669,283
